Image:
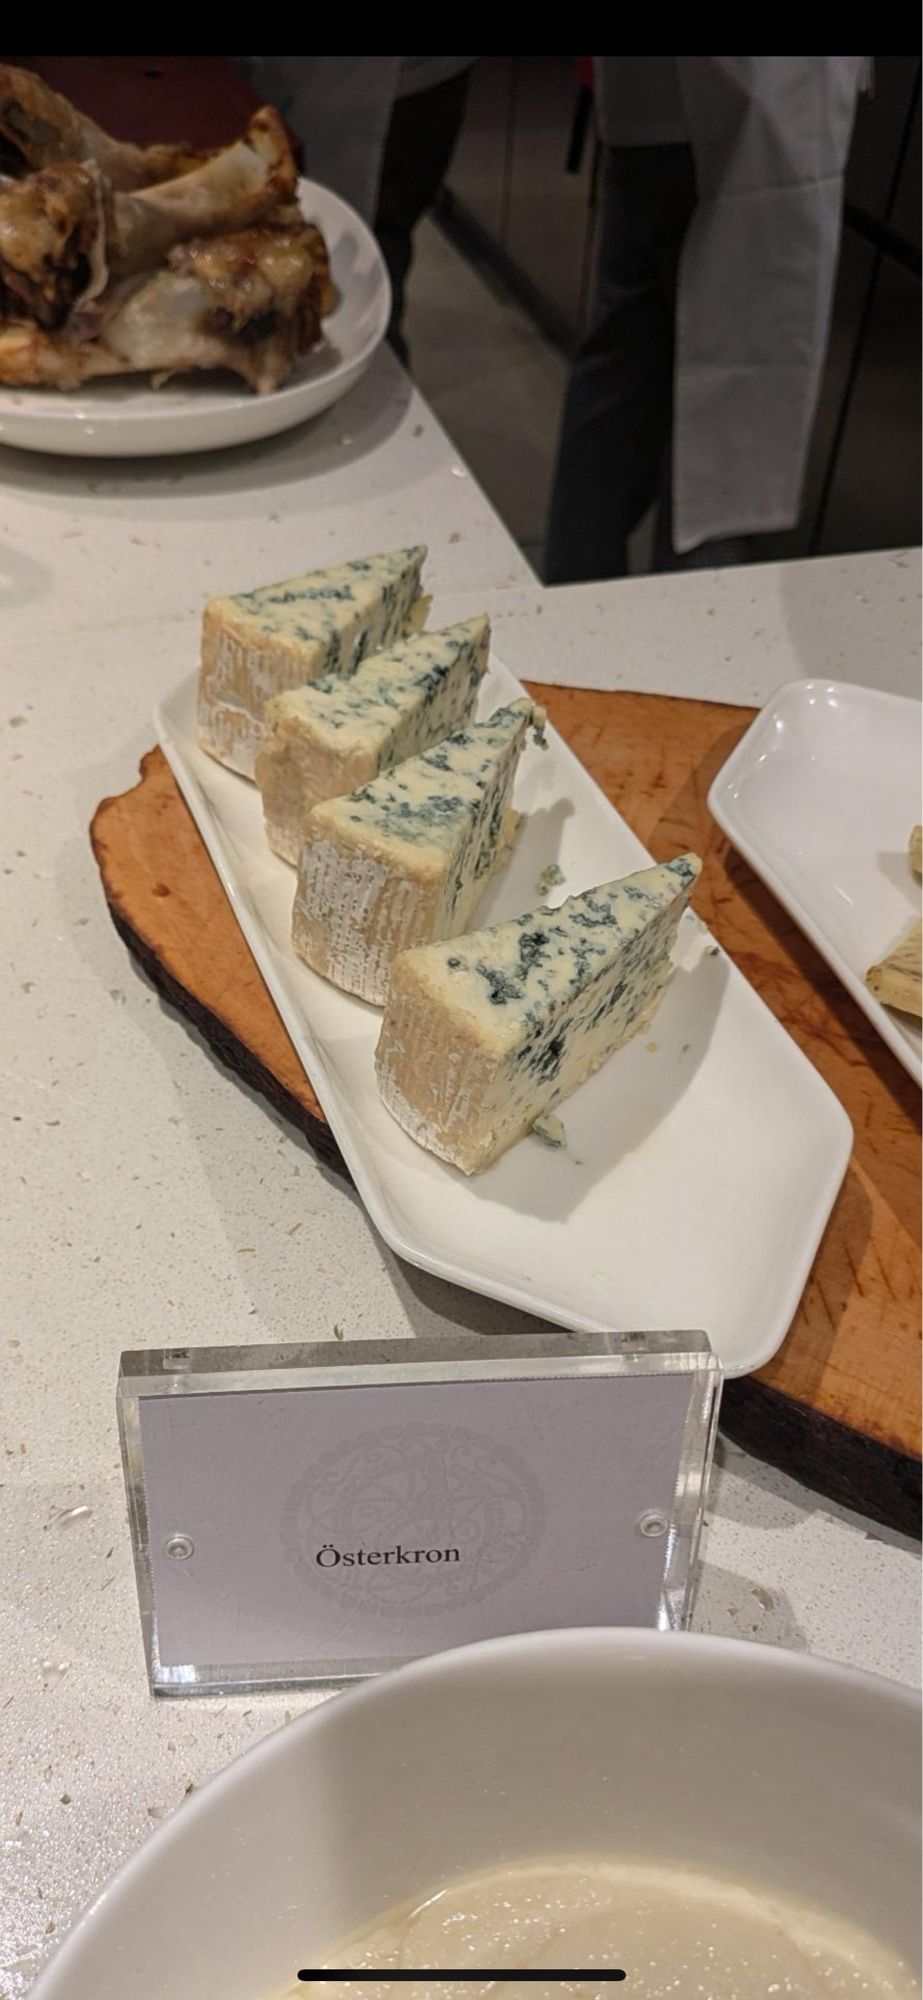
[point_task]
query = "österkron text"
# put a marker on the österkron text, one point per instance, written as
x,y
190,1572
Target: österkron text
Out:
x,y
330,1557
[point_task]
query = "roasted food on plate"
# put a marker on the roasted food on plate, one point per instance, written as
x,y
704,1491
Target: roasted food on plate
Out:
x,y
120,260
52,242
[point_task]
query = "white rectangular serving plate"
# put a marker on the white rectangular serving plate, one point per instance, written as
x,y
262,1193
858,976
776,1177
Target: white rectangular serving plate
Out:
x,y
702,1161
820,797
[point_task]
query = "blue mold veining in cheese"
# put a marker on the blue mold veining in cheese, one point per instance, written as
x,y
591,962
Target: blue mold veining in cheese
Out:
x,y
404,858
335,735
486,1034
260,642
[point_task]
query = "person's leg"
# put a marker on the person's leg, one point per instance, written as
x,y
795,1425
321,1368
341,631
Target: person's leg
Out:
x,y
420,143
725,552
618,410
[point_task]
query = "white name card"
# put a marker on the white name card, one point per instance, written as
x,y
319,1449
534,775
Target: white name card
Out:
x,y
320,1512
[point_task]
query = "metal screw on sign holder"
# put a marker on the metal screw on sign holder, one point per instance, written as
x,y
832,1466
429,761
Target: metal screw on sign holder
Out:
x,y
180,1547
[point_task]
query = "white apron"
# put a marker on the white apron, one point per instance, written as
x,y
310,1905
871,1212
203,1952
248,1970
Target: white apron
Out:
x,y
770,137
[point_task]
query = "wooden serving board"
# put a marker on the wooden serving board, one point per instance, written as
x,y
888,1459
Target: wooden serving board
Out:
x,y
839,1405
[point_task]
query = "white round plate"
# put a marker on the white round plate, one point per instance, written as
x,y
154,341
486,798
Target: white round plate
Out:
x,y
737,1760
126,418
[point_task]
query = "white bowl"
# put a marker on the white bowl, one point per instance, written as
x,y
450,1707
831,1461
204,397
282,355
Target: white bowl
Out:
x,y
731,1757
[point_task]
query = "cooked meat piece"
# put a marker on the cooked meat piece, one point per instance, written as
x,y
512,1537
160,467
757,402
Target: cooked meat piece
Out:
x,y
254,271
233,189
30,357
38,127
249,302
52,241
119,259
62,230
288,216
325,291
161,329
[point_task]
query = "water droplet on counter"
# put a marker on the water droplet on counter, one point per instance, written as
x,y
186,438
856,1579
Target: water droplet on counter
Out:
x,y
54,1671
69,1516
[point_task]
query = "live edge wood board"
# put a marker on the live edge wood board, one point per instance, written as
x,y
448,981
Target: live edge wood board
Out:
x,y
839,1406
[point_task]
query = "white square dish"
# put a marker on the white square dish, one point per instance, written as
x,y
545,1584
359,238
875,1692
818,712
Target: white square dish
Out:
x,y
820,797
702,1161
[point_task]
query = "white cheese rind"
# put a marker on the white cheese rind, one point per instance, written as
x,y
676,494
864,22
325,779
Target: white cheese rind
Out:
x,y
283,635
484,1035
405,858
329,738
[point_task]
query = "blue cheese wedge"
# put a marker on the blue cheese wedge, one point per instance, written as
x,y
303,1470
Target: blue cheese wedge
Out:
x,y
485,1035
405,858
334,736
263,641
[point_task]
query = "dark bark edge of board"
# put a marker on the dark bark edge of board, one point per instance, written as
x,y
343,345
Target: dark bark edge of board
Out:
x,y
857,1472
830,1458
229,1050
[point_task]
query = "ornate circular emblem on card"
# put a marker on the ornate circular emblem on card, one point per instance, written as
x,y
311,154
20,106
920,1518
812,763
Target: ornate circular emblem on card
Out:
x,y
413,1518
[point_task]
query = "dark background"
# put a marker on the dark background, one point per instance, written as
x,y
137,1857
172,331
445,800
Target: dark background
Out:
x,y
510,200
511,206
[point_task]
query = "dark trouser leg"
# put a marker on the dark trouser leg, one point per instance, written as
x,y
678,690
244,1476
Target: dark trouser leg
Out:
x,y
725,553
615,434
420,143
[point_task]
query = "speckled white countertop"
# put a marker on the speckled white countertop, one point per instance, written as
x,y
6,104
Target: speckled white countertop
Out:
x,y
151,1200
723,634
